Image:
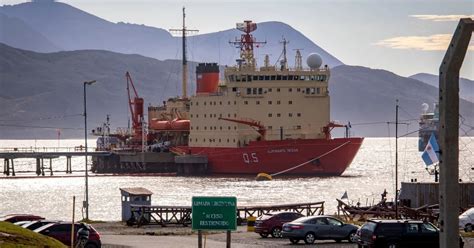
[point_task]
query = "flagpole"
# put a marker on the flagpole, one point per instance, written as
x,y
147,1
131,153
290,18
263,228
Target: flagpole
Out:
x,y
396,161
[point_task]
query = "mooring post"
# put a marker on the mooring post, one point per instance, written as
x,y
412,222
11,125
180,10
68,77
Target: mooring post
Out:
x,y
5,166
449,133
13,168
42,166
38,167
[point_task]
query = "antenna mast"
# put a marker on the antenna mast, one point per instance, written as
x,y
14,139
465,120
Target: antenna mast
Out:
x,y
183,32
284,61
298,60
246,43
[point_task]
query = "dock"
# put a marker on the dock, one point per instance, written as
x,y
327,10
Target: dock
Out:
x,y
181,215
41,154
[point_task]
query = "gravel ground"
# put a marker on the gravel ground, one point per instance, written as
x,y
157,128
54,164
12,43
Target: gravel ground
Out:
x,y
117,235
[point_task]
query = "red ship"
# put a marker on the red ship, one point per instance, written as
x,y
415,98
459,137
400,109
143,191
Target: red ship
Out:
x,y
268,119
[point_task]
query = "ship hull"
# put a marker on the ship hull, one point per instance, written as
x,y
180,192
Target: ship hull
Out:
x,y
309,157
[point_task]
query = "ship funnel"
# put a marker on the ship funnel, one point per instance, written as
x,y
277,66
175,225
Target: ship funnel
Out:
x,y
207,75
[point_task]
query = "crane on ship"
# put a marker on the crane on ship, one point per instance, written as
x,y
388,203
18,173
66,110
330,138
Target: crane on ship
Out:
x,y
136,110
260,128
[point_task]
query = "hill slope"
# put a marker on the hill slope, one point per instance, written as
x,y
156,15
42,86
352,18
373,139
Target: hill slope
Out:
x,y
466,86
73,29
42,88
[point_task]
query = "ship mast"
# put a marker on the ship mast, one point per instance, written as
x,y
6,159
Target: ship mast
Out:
x,y
246,43
183,32
284,61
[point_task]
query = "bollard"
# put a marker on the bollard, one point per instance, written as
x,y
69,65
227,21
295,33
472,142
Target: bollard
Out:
x,y
251,223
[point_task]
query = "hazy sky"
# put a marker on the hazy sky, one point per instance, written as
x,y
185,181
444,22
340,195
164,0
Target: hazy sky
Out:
x,y
404,36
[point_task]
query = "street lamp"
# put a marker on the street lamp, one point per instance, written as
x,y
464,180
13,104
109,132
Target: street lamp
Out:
x,y
85,146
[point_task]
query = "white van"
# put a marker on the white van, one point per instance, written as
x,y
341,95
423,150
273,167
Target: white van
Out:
x,y
466,220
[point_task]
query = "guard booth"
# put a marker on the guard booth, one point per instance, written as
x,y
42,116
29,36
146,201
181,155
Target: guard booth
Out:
x,y
134,196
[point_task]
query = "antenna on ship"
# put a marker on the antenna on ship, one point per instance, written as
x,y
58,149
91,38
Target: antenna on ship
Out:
x,y
246,43
298,60
183,32
284,61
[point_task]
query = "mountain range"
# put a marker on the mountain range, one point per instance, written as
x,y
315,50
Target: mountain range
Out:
x,y
48,52
53,26
466,86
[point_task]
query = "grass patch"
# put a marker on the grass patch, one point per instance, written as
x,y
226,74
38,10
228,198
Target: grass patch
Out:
x,y
16,236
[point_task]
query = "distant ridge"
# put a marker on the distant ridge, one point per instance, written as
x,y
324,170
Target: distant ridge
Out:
x,y
70,28
466,86
38,85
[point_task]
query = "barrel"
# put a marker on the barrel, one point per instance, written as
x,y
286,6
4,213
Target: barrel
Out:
x,y
251,223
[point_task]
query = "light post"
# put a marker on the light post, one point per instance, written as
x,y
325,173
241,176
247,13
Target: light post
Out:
x,y
85,146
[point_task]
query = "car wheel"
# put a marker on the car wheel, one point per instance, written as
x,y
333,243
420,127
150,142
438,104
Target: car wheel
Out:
x,y
294,241
352,237
309,238
468,228
276,232
392,245
263,235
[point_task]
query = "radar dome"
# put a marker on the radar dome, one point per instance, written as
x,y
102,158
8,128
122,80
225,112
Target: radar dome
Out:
x,y
314,61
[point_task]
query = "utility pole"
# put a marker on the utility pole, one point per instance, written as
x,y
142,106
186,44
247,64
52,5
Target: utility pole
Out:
x,y
183,32
449,133
396,161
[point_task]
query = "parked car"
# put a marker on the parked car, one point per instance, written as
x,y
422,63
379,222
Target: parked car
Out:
x,y
271,223
466,220
312,228
32,225
399,233
62,232
20,217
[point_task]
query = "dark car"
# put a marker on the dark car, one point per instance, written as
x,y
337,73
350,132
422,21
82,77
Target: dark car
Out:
x,y
271,223
12,218
399,233
322,227
62,232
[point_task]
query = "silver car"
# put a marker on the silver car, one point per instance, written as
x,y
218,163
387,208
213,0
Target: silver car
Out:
x,y
321,227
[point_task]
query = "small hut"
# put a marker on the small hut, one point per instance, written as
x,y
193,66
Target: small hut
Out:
x,y
134,196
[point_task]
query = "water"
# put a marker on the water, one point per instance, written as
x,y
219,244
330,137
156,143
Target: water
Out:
x,y
371,172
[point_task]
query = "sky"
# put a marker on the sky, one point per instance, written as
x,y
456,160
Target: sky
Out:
x,y
403,36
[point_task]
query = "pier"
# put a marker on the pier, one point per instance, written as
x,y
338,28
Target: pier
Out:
x,y
181,215
41,154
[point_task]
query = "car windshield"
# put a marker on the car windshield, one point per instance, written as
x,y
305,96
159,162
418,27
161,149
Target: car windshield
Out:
x,y
468,212
369,226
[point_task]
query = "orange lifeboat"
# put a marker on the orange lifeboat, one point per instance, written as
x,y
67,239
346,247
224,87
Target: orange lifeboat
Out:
x,y
174,125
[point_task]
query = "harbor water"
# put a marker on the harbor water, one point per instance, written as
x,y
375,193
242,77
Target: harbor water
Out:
x,y
371,172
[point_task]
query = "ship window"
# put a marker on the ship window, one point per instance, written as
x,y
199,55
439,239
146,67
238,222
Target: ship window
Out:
x,y
220,115
270,115
298,89
298,127
191,103
273,77
278,89
235,115
219,140
299,114
197,103
284,77
278,77
228,115
290,77
269,127
191,127
278,115
220,127
235,127
196,140
260,77
323,77
313,91
235,102
228,103
290,102
197,128
254,91
278,102
313,77
237,78
234,140
205,127
191,115
269,89
269,102
257,102
228,140
228,127
290,114
267,78
197,115
244,78
234,89
307,91
249,78
260,91
220,103
204,103
254,78
318,90
296,77
290,90
249,91
204,139
205,116
246,102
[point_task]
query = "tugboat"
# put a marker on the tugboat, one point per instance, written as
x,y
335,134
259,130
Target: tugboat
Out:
x,y
270,119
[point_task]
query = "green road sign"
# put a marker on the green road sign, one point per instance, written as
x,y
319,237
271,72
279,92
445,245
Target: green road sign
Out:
x,y
214,213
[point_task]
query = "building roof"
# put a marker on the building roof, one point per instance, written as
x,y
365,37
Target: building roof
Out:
x,y
137,191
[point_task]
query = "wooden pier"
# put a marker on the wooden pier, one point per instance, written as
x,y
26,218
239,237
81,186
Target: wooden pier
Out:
x,y
41,154
181,215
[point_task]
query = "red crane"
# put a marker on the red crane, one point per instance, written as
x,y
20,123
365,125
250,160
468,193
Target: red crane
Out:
x,y
260,128
136,109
